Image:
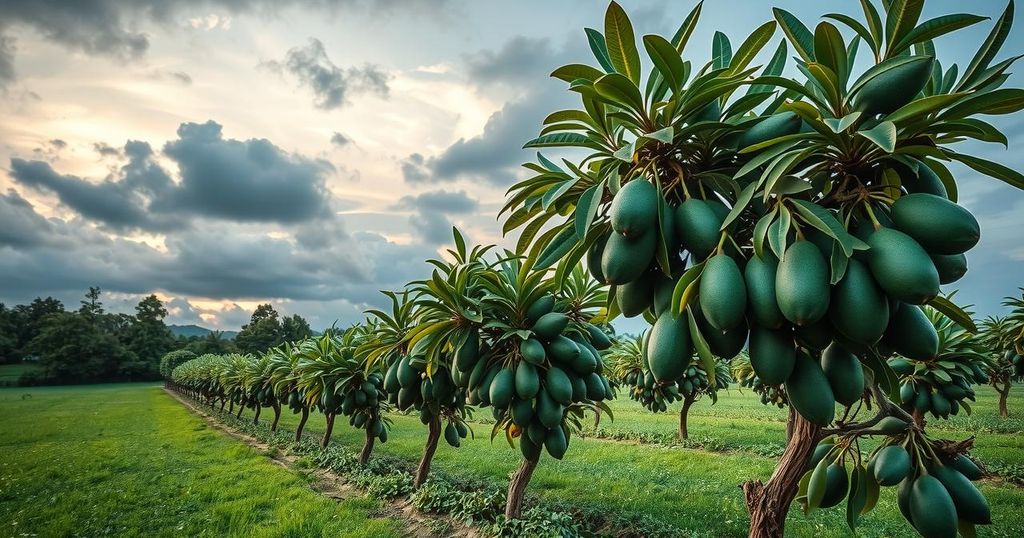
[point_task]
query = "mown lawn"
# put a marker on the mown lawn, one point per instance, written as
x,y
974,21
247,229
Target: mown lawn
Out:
x,y
698,490
127,460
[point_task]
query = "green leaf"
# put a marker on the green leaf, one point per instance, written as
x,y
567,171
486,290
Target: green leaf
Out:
x,y
856,26
721,51
824,220
858,495
830,50
900,20
750,47
883,135
936,27
661,135
990,168
922,107
797,32
988,50
667,60
1001,101
621,43
778,233
621,91
703,350
559,140
874,24
774,68
685,29
559,246
839,125
761,229
954,313
817,484
573,72
599,47
871,499
685,288
741,203
586,208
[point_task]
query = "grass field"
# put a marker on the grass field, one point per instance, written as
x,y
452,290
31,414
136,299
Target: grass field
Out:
x,y
692,489
127,460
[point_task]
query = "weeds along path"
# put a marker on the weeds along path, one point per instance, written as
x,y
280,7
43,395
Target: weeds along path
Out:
x,y
334,485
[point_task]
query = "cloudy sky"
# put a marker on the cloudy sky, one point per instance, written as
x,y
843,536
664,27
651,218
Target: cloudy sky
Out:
x,y
223,153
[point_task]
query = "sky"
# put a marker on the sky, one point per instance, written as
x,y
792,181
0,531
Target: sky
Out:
x,y
226,153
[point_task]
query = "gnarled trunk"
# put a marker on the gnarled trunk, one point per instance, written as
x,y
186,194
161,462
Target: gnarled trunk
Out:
x,y
918,418
433,435
1003,394
517,488
789,422
364,454
302,424
327,433
768,503
277,416
683,415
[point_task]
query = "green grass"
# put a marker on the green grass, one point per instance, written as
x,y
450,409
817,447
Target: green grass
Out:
x,y
92,444
127,460
698,490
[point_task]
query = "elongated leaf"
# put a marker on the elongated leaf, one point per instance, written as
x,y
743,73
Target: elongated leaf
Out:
x,y
953,312
703,350
922,107
901,19
721,51
683,292
559,140
774,68
883,135
830,50
839,125
661,135
599,47
559,246
685,30
816,485
586,208
621,43
856,26
741,203
621,90
871,499
1001,101
667,60
936,27
874,25
990,168
988,50
858,495
573,72
797,32
750,47
824,220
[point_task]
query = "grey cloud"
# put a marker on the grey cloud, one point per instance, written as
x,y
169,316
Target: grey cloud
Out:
x,y
340,140
432,209
181,77
20,225
106,150
519,61
331,84
414,169
6,61
58,144
246,181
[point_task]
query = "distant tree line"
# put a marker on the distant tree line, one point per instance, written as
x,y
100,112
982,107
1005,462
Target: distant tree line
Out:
x,y
91,345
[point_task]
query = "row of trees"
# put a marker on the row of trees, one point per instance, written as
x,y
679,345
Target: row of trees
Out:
x,y
813,217
91,345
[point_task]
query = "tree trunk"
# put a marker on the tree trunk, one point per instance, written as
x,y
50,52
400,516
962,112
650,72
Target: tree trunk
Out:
x,y
918,418
327,433
222,402
256,418
428,452
769,503
1003,394
231,407
790,421
684,434
517,488
302,424
277,416
364,454
241,407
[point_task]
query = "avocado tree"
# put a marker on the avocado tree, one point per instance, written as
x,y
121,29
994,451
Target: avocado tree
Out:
x,y
938,367
1004,340
257,386
332,376
173,359
284,380
412,383
628,362
817,213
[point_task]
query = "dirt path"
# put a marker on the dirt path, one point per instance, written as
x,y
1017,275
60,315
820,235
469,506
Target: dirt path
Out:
x,y
335,486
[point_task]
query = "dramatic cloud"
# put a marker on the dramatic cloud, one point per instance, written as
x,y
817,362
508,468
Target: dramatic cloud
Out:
x,y
331,84
20,225
432,210
244,181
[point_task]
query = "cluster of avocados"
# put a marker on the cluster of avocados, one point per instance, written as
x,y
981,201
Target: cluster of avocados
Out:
x,y
361,402
939,387
656,396
437,396
555,362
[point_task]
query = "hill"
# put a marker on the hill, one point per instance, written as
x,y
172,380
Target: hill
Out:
x,y
196,330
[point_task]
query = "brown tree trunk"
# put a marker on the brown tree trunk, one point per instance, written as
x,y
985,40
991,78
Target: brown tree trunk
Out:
x,y
1003,394
517,488
256,417
277,416
231,407
364,454
241,407
222,402
433,435
790,421
302,424
918,418
684,434
327,433
769,503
